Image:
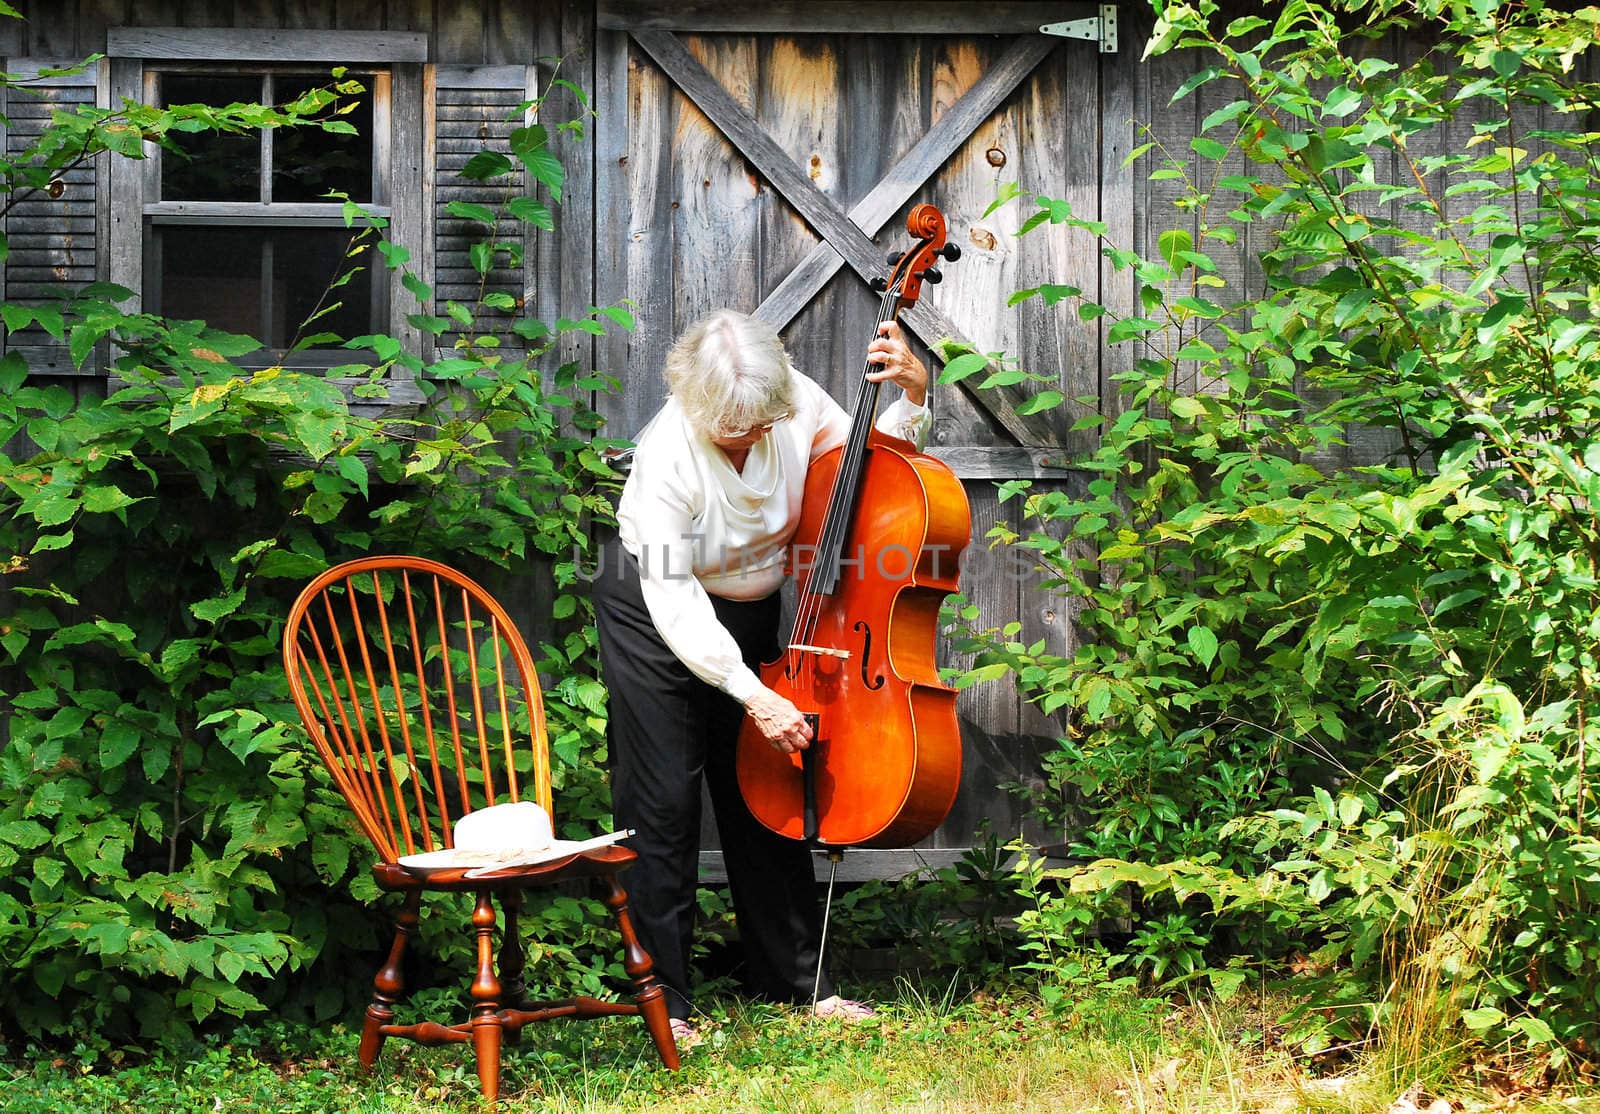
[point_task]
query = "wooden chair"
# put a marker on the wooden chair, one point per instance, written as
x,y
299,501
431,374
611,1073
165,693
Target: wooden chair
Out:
x,y
422,700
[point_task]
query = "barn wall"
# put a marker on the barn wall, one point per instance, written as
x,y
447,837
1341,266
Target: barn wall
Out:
x,y
666,210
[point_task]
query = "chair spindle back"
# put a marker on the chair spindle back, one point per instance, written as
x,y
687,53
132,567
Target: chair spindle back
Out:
x,y
420,696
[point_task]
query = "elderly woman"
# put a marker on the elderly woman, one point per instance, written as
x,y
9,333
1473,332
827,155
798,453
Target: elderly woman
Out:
x,y
688,607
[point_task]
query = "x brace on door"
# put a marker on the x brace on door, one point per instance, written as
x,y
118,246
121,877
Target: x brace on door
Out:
x,y
846,238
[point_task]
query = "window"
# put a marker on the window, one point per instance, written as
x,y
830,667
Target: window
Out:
x,y
239,230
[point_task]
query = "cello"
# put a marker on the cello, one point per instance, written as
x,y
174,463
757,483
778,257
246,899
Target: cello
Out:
x,y
881,532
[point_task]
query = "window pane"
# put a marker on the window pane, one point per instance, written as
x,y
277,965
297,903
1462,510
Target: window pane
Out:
x,y
216,275
307,162
213,166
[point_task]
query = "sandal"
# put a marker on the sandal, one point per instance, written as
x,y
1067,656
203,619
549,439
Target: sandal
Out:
x,y
684,1034
843,1009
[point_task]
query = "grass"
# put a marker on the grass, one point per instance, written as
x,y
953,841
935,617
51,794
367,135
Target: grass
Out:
x,y
933,1049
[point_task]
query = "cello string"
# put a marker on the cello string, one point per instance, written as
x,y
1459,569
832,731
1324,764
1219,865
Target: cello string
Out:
x,y
828,556
836,522
823,559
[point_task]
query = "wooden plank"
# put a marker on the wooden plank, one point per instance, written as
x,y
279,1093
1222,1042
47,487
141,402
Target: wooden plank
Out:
x,y
936,17
1003,462
858,865
316,14
94,16
257,14
643,268
407,219
459,33
716,207
800,102
1058,135
568,255
513,30
369,15
11,38
614,220
464,80
989,713
823,214
126,180
1124,106
909,174
978,285
266,44
50,31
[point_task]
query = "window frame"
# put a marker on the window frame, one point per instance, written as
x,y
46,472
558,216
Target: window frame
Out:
x,y
137,56
269,214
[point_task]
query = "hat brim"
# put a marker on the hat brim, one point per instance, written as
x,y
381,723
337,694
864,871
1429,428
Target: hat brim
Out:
x,y
501,858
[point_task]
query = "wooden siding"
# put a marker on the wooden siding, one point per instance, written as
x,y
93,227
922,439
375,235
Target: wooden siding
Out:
x,y
477,108
51,233
761,156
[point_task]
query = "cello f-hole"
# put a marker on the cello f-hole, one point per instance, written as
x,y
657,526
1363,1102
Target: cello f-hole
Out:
x,y
866,652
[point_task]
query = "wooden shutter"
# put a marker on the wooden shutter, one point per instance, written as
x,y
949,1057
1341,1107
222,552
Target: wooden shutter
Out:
x,y
477,108
52,239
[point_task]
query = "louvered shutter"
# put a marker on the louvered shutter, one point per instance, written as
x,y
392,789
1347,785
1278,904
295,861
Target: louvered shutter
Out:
x,y
477,108
52,240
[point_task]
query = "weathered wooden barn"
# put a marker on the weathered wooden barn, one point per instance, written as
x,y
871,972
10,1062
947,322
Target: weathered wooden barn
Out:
x,y
760,156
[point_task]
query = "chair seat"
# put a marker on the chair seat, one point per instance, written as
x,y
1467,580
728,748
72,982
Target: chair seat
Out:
x,y
598,863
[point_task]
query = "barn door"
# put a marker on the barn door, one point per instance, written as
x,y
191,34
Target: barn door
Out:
x,y
765,158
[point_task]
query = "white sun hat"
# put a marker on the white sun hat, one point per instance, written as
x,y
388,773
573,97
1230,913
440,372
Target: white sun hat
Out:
x,y
505,835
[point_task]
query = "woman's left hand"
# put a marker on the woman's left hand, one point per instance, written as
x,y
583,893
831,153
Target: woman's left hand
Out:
x,y
897,364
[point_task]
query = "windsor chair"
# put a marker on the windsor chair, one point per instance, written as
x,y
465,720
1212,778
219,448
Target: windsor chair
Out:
x,y
422,701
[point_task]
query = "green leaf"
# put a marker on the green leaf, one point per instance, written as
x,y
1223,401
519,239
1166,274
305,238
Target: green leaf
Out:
x,y
481,255
1172,243
118,741
1203,644
1482,1018
533,211
218,607
471,210
485,165
545,167
82,343
969,363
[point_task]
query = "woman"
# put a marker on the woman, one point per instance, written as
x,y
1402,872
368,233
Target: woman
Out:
x,y
688,607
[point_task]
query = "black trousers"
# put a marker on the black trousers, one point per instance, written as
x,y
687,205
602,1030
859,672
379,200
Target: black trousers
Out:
x,y
668,729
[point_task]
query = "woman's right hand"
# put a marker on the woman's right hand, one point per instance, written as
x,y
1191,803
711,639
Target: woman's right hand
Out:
x,y
778,720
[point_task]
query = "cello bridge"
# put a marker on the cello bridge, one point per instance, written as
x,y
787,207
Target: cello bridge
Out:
x,y
823,651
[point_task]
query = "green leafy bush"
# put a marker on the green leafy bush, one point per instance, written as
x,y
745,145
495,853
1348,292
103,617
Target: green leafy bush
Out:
x,y
169,843
1335,704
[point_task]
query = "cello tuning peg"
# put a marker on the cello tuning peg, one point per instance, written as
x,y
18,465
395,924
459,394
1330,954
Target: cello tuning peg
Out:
x,y
879,285
952,252
933,275
895,257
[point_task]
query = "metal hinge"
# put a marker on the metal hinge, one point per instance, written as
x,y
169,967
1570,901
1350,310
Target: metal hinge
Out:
x,y
1100,29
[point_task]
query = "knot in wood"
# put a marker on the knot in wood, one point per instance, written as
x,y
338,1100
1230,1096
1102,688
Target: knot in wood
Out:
x,y
996,157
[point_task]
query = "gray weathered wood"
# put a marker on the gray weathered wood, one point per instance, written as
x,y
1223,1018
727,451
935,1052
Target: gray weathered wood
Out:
x,y
936,17
858,865
266,44
1003,462
481,117
38,271
822,213
908,175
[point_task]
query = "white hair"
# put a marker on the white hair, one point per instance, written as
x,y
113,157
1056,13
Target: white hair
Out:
x,y
729,371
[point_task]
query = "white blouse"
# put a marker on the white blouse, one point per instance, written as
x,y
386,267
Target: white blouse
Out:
x,y
699,527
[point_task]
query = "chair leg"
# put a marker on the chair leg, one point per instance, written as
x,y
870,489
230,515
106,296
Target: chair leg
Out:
x,y
512,962
389,983
486,1028
641,969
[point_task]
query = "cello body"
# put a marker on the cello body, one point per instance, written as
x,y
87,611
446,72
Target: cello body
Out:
x,y
886,747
